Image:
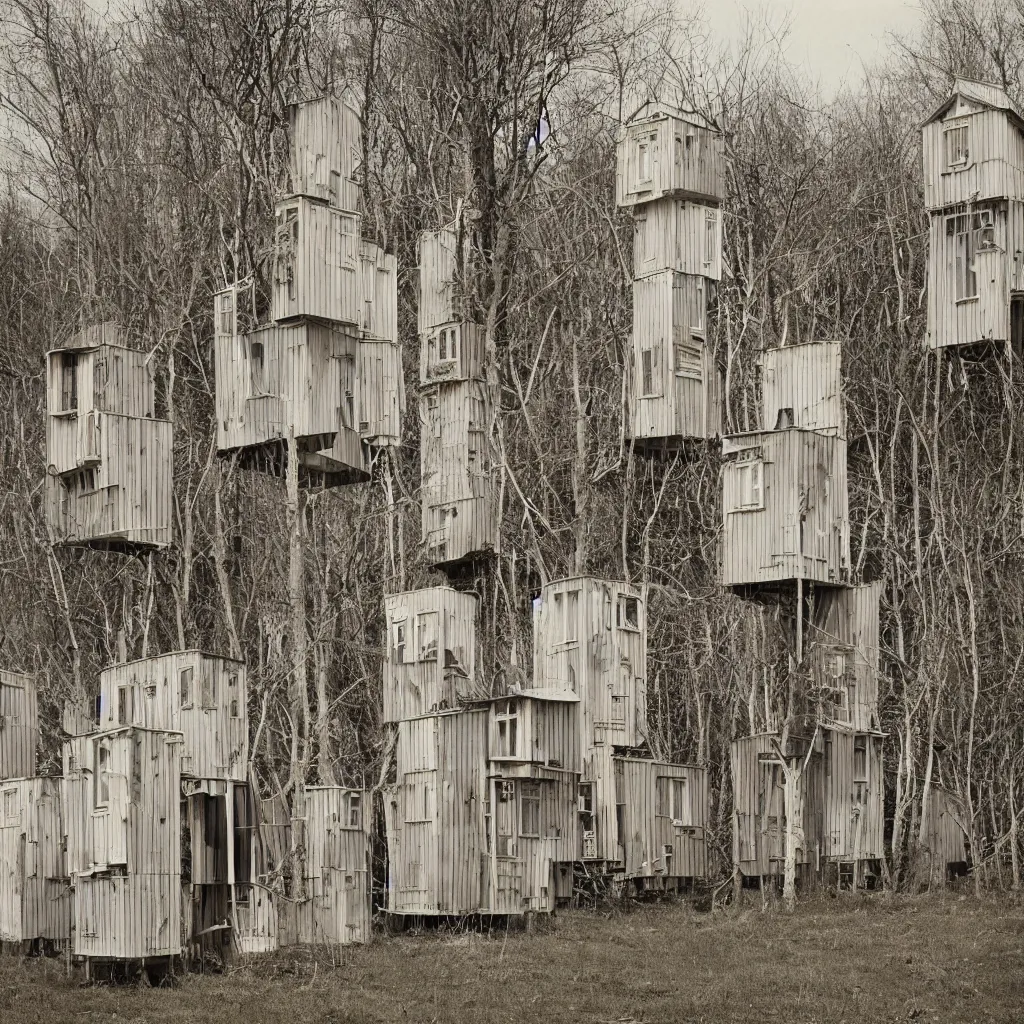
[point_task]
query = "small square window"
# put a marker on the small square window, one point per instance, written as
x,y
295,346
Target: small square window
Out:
x,y
628,613
355,810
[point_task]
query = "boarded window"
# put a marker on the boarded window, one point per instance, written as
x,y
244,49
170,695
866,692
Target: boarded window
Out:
x,y
92,437
572,616
640,238
530,814
860,759
426,636
68,382
710,238
125,705
185,687
748,485
355,810
101,779
347,407
628,613
956,145
664,795
209,689
687,353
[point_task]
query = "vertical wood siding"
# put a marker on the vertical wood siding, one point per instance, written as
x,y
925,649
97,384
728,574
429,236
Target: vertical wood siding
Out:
x,y
945,833
316,263
801,529
806,380
437,270
674,234
325,149
458,494
414,682
853,809
686,159
213,720
19,726
674,386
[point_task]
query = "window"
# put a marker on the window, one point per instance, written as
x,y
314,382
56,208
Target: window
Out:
x,y
347,410
226,312
68,382
125,705
572,616
649,371
687,357
628,613
185,687
355,810
334,189
860,759
101,779
506,717
92,437
585,797
645,158
209,689
257,378
698,312
749,478
233,692
529,822
12,814
965,235
710,238
399,631
447,344
426,636
956,145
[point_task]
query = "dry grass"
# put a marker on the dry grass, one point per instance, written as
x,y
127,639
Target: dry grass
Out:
x,y
853,959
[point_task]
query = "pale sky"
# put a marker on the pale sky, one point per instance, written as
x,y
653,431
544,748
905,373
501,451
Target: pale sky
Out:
x,y
828,37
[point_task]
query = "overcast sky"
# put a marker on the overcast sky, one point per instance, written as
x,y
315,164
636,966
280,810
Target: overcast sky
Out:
x,y
829,37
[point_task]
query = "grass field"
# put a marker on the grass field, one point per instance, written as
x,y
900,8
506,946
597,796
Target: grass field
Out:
x,y
852,959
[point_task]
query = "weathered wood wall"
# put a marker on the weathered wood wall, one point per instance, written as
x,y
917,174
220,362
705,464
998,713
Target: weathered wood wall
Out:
x,y
19,725
325,151
438,265
675,234
806,381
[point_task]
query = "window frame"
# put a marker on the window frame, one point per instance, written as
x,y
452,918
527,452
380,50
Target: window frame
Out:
x,y
186,679
529,796
101,776
860,745
622,606
960,129
418,647
506,729
749,485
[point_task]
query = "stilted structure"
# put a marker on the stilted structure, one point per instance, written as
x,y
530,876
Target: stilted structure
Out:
x,y
639,820
459,511
109,459
670,173
327,371
482,807
808,790
974,193
35,909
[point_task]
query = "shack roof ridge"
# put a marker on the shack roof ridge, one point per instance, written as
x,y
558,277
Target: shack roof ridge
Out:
x,y
171,654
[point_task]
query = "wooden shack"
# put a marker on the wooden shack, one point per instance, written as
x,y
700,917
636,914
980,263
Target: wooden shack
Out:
x,y
123,821
430,646
458,497
437,255
317,266
35,904
452,352
801,386
483,810
201,696
944,850
678,235
19,726
785,510
664,151
325,146
337,881
662,810
675,383
301,378
381,383
109,459
974,186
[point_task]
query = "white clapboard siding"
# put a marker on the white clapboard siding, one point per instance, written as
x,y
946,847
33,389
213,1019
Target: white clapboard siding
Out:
x,y
430,651
666,152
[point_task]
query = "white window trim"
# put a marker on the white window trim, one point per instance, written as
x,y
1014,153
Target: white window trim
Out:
x,y
755,467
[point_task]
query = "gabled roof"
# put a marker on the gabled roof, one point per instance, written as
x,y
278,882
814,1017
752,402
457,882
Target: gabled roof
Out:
x,y
652,109
984,93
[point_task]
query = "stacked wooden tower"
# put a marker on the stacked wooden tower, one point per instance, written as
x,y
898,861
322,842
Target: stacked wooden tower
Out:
x,y
323,380
974,194
670,172
640,821
457,494
108,457
813,778
35,906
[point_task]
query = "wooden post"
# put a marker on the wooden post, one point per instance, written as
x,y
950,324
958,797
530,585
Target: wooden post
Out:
x,y
298,696
229,814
